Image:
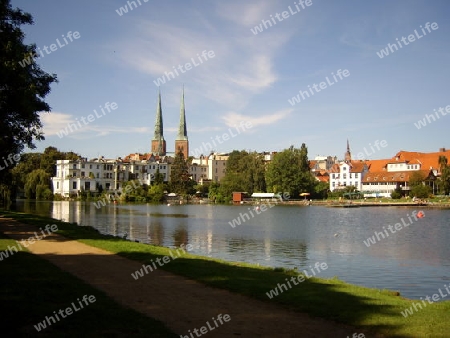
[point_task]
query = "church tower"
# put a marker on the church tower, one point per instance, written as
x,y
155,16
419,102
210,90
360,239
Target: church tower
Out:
x,y
181,142
158,142
348,154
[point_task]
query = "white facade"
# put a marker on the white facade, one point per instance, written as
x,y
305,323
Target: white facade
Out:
x,y
89,175
199,169
74,176
217,164
347,174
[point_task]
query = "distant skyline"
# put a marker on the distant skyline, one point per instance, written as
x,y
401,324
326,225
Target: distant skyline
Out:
x,y
245,62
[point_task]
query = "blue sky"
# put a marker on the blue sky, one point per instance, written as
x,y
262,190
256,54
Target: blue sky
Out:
x,y
251,77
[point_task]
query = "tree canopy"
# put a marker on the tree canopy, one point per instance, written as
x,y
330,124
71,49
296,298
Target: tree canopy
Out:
x,y
23,87
289,172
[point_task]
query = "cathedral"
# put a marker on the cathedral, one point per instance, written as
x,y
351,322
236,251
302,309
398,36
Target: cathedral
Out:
x,y
158,146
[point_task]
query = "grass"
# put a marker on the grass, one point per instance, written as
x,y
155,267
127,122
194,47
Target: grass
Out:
x,y
372,309
31,288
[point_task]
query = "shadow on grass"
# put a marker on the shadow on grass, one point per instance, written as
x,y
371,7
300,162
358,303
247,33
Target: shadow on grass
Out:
x,y
32,289
372,310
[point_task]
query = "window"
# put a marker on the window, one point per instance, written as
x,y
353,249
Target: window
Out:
x,y
74,166
108,185
82,174
74,185
98,166
87,186
98,175
90,166
57,185
82,166
350,175
344,176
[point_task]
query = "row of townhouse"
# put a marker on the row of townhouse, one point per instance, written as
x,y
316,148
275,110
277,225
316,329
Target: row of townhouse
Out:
x,y
379,178
96,174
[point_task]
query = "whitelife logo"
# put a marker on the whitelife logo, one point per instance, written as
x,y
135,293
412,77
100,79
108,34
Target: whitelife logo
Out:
x,y
391,48
53,47
65,312
71,127
341,74
187,66
285,14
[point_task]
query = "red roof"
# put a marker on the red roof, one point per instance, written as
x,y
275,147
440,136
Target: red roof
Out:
x,y
396,176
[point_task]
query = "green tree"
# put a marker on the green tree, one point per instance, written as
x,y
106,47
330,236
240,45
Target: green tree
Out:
x,y
23,87
180,181
416,178
156,193
444,168
37,183
320,189
397,193
417,184
245,172
28,163
159,178
289,172
421,191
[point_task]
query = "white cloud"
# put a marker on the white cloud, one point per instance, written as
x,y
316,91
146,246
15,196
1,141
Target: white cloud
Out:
x,y
232,119
243,65
54,122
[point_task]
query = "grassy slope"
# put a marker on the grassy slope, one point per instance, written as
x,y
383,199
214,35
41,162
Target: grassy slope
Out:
x,y
376,310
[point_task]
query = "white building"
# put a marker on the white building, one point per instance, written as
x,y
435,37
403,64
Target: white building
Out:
x,y
106,174
347,173
217,164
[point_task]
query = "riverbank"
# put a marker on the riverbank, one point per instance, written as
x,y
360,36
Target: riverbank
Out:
x,y
369,309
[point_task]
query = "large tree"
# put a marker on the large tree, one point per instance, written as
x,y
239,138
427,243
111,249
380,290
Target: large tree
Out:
x,y
289,172
444,168
23,88
180,181
245,172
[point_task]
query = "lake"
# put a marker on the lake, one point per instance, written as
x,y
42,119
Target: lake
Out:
x,y
414,259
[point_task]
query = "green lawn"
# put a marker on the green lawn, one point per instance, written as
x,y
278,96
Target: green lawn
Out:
x,y
376,310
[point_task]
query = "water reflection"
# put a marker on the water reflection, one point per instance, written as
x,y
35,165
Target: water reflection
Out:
x,y
415,261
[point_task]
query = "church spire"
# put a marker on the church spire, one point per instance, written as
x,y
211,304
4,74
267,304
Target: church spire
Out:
x,y
181,142
182,129
348,154
158,142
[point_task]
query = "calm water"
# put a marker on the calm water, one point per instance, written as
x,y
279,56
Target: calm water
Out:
x,y
414,260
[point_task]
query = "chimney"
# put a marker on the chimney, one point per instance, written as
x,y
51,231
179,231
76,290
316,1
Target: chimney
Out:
x,y
441,150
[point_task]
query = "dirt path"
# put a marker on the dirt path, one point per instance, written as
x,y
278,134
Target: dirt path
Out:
x,y
180,303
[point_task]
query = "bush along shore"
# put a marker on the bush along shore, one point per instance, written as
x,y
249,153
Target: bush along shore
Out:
x,y
378,311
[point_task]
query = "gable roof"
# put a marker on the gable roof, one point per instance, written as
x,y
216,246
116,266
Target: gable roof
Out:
x,y
427,160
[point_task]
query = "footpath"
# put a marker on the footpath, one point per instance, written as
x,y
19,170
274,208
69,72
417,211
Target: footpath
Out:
x,y
182,304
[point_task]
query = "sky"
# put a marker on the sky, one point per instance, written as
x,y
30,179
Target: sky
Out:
x,y
232,76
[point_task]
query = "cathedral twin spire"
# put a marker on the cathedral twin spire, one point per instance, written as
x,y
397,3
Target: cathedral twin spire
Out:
x,y
181,142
